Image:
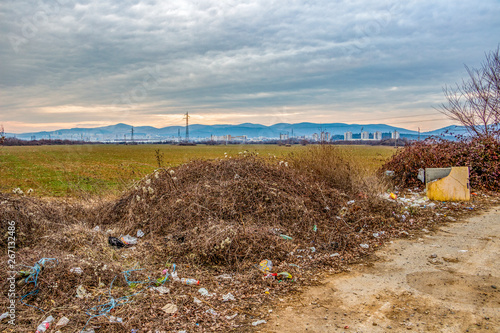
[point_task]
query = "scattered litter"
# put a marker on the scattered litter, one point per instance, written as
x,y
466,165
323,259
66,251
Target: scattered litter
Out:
x,y
389,173
212,312
81,292
286,237
293,265
265,266
129,240
228,297
350,202
140,233
170,308
96,228
62,322
189,282
113,241
126,275
204,292
231,317
364,246
4,315
425,230
393,196
162,290
33,274
76,270
313,249
433,255
44,326
104,309
113,319
315,228
197,301
285,275
463,251
258,322
224,276
335,254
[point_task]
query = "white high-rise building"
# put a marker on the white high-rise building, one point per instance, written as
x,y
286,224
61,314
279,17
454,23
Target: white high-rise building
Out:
x,y
347,136
377,135
365,135
395,135
284,136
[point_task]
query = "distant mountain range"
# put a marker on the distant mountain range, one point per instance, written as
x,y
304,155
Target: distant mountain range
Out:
x,y
199,132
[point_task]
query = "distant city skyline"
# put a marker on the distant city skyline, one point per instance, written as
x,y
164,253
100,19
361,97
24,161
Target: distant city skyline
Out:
x,y
283,131
68,63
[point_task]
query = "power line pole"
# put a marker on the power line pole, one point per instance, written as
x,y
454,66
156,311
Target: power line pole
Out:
x,y
186,116
132,133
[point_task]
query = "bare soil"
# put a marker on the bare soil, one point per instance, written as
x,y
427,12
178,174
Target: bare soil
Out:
x,y
444,281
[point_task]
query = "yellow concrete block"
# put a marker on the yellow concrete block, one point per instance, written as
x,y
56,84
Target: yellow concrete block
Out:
x,y
454,187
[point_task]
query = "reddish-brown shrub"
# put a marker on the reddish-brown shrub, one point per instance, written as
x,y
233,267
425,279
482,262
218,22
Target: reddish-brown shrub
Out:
x,y
481,155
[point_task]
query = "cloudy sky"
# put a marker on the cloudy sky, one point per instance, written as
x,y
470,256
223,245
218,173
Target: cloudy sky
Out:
x,y
89,63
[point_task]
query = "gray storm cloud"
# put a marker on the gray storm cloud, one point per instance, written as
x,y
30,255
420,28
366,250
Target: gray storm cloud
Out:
x,y
156,58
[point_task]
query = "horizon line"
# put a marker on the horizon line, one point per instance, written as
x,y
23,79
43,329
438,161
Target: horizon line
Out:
x,y
226,124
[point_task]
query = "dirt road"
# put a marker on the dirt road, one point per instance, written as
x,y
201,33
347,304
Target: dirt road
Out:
x,y
447,281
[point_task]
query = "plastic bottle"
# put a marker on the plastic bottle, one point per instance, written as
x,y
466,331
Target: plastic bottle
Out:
x,y
189,282
44,325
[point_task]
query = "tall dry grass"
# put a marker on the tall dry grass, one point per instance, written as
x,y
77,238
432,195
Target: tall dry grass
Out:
x,y
338,168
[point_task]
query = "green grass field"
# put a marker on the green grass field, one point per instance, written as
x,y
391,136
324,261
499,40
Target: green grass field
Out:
x,y
108,169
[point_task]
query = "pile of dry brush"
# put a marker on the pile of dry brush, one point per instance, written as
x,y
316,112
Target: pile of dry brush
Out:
x,y
210,218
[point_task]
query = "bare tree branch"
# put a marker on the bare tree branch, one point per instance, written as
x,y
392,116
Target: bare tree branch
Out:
x,y
475,102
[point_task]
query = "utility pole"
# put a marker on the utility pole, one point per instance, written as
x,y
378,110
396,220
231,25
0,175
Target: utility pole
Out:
x,y
132,134
186,116
179,135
